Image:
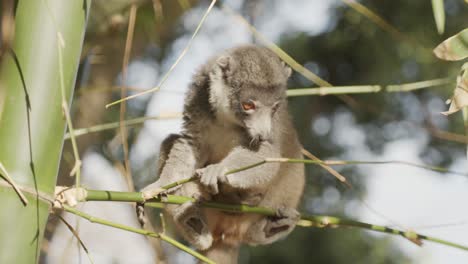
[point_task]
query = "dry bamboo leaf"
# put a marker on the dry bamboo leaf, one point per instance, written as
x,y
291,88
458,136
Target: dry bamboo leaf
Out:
x,y
453,48
460,95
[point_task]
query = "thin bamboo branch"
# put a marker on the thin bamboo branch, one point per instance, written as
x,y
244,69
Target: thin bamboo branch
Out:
x,y
161,236
407,87
277,50
123,93
182,54
77,236
343,179
76,170
334,90
318,162
6,176
354,89
412,164
379,21
333,172
128,122
319,221
160,201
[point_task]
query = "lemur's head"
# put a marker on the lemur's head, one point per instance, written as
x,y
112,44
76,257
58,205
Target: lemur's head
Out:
x,y
247,87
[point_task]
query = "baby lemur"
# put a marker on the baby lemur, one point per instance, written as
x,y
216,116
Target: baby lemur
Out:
x,y
235,114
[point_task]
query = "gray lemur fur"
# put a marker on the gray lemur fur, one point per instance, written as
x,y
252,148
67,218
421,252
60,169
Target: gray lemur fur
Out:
x,y
219,135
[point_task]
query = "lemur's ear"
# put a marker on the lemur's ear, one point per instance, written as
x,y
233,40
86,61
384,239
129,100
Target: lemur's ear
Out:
x,y
222,67
286,69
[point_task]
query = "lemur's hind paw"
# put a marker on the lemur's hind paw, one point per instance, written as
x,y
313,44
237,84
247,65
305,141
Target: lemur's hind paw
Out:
x,y
284,221
192,225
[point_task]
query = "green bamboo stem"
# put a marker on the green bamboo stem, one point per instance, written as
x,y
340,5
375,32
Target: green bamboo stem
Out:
x,y
115,125
161,236
334,90
319,221
407,87
35,75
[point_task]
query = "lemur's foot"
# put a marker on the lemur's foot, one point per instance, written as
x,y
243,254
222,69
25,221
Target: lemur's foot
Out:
x,y
283,222
192,225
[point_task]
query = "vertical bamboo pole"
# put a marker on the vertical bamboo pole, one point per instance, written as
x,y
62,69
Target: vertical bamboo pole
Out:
x,y
32,125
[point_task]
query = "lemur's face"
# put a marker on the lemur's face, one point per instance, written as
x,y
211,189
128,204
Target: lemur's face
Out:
x,y
257,112
247,88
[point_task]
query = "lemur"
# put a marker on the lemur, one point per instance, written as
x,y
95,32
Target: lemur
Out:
x,y
235,114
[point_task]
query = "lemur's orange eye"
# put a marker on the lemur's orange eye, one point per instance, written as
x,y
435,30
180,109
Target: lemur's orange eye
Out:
x,y
249,105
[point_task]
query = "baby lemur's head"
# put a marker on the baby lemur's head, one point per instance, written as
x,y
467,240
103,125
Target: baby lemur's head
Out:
x,y
247,87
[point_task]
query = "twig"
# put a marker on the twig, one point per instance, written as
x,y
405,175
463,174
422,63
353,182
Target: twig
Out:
x,y
128,122
163,80
123,93
6,176
76,235
76,170
333,172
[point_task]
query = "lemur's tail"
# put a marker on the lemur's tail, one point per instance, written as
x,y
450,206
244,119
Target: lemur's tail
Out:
x,y
222,253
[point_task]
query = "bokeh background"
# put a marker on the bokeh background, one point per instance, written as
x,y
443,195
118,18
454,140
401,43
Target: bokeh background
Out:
x,y
330,39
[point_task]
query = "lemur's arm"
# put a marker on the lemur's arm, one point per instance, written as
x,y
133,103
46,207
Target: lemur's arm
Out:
x,y
241,157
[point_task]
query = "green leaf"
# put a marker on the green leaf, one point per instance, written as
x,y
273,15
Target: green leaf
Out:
x,y
439,15
453,48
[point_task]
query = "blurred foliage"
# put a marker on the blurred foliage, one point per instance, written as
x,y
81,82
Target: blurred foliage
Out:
x,y
352,51
356,51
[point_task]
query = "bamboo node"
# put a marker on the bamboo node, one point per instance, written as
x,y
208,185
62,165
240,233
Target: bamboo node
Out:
x,y
69,196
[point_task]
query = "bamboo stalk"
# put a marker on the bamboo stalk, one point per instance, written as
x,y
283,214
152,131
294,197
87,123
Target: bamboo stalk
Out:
x,y
37,75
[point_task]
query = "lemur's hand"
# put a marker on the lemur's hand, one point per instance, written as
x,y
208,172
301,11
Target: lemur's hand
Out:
x,y
211,176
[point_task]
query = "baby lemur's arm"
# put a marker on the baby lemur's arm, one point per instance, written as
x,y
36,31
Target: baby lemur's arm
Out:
x,y
177,161
241,157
